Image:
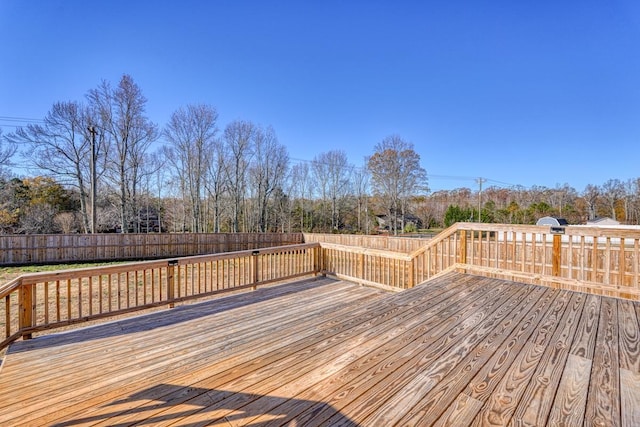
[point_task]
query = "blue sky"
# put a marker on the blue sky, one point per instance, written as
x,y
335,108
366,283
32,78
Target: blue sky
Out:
x,y
522,93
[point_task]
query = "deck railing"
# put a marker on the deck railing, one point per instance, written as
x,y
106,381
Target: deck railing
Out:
x,y
603,261
598,260
390,270
40,301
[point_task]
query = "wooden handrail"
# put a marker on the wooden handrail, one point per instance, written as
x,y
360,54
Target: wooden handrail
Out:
x,y
442,236
10,286
48,300
366,251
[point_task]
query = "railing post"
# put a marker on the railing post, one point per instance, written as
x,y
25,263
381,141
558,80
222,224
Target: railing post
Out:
x,y
254,266
556,255
26,307
319,260
412,279
171,281
462,256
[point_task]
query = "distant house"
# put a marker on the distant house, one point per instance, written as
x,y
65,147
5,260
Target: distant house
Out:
x,y
552,221
384,222
603,221
148,221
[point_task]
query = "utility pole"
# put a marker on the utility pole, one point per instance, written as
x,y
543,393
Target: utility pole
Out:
x,y
92,165
480,181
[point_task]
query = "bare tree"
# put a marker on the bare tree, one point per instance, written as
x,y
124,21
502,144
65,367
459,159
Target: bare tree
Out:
x,y
560,197
156,184
301,188
361,179
339,177
238,152
591,194
267,172
613,191
60,148
122,116
215,184
632,201
7,150
396,174
321,177
191,134
332,171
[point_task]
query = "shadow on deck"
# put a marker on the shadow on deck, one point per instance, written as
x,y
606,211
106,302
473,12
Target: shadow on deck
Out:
x,y
205,406
163,317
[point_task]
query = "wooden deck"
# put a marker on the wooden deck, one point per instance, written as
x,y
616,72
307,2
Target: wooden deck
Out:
x,y
461,350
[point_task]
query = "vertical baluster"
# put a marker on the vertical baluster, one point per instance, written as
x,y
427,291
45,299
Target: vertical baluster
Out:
x,y
7,316
68,299
90,295
46,302
57,300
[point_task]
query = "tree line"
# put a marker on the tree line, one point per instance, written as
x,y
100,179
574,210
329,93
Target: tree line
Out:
x,y
103,166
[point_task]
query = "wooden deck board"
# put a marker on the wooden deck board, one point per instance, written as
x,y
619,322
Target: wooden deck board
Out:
x,y
390,346
456,351
390,315
603,401
484,361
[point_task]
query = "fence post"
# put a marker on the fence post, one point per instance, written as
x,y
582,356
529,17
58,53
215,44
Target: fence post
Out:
x,y
25,304
556,255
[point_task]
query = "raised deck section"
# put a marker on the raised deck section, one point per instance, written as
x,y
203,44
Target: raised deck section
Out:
x,y
460,350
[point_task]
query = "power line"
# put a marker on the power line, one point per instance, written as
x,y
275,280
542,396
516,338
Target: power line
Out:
x,y
18,122
20,119
430,176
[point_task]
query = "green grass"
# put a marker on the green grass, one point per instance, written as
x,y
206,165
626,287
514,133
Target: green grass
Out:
x,y
8,273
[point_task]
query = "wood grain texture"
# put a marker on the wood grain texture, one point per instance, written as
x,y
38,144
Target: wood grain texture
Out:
x,y
603,402
629,334
630,398
571,397
538,397
505,398
430,406
457,350
460,413
484,380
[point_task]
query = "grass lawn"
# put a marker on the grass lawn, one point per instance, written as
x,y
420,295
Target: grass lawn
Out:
x,y
8,273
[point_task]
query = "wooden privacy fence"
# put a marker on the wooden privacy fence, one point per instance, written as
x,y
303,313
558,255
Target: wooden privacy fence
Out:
x,y
57,248
40,301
